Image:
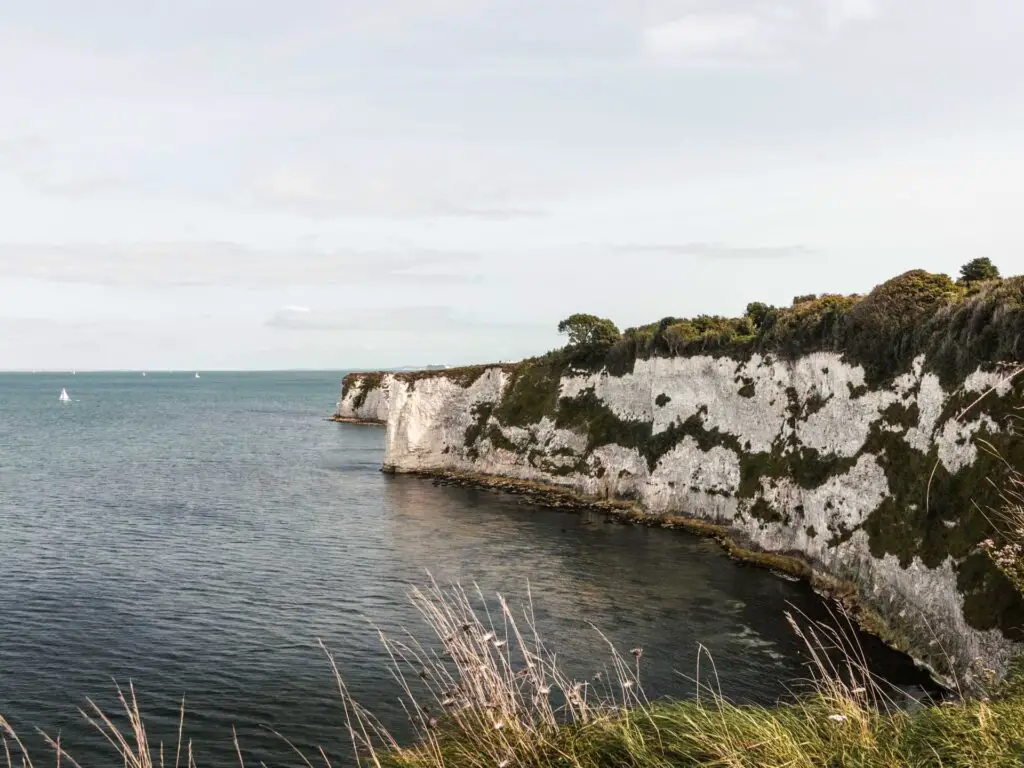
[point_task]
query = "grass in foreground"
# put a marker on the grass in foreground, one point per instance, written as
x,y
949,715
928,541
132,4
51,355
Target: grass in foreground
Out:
x,y
494,696
489,694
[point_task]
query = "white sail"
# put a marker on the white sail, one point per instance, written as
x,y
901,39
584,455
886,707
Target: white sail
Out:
x,y
64,398
197,374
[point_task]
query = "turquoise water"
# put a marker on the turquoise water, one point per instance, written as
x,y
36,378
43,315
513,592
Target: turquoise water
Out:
x,y
198,536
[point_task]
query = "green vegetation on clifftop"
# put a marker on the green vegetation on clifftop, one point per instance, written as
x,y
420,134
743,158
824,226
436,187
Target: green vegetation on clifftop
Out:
x,y
957,327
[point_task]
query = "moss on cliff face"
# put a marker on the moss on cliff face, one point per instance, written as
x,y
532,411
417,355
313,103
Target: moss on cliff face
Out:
x,y
499,440
588,415
367,382
532,390
481,415
933,514
807,467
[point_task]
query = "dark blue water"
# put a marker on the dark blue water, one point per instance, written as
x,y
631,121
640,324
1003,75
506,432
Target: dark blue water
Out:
x,y
198,536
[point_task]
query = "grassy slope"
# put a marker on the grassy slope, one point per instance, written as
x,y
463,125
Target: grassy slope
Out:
x,y
812,733
501,712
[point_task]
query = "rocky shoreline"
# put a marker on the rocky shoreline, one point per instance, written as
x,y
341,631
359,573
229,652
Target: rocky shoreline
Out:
x,y
366,422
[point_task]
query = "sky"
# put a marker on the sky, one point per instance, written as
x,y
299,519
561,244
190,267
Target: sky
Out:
x,y
260,184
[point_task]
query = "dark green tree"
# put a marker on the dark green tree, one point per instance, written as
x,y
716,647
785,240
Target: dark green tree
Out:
x,y
761,315
589,331
978,269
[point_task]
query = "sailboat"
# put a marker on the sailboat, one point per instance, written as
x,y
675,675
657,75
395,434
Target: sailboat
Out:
x,y
197,374
64,398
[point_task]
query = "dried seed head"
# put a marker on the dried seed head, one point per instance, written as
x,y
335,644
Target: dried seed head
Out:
x,y
638,652
499,643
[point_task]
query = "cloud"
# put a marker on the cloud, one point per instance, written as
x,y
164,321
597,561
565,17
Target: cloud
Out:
x,y
756,34
701,34
232,264
720,251
391,319
31,160
16,150
422,188
841,12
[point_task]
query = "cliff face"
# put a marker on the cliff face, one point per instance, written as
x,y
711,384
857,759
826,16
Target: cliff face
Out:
x,y
364,398
868,436
874,486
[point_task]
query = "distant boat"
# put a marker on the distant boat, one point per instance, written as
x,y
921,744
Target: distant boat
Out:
x,y
64,398
143,373
197,374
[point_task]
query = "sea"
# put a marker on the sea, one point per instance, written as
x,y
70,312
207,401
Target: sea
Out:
x,y
196,540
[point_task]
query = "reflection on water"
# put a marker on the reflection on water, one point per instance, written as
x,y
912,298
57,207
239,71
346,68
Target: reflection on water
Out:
x,y
199,537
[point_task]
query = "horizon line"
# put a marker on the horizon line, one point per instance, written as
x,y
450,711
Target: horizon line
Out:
x,y
307,369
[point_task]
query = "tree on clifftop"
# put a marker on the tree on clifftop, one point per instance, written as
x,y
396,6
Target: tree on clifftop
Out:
x,y
761,315
978,269
589,331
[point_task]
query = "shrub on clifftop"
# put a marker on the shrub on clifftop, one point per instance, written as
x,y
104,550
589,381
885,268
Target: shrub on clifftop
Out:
x,y
880,328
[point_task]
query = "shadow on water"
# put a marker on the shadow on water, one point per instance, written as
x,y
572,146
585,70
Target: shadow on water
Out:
x,y
198,537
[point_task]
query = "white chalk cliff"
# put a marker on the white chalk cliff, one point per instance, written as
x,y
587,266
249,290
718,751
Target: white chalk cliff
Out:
x,y
365,399
795,456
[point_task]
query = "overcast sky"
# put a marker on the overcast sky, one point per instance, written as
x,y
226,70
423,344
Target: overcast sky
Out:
x,y
341,183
